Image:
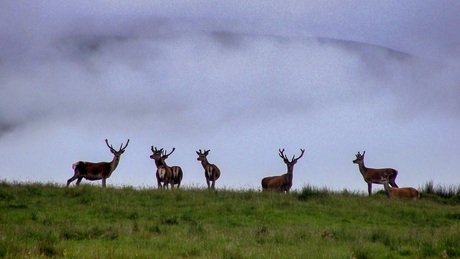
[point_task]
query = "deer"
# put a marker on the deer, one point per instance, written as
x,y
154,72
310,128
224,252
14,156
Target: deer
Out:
x,y
405,192
374,176
167,174
282,183
211,171
97,171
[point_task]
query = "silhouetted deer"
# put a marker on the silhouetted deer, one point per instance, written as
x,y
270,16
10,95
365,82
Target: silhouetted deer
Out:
x,y
97,171
211,171
372,175
167,174
282,183
405,192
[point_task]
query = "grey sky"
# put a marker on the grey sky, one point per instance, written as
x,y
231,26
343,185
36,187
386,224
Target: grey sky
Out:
x,y
240,78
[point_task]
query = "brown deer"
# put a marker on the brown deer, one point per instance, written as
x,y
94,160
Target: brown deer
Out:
x,y
167,174
372,175
406,192
97,171
211,171
282,183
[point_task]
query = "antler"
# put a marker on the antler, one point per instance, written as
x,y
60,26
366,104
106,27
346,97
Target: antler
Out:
x,y
360,155
110,146
301,154
282,155
206,152
166,155
121,146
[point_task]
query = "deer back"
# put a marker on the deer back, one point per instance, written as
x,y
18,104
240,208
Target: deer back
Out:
x,y
280,182
94,171
375,175
405,192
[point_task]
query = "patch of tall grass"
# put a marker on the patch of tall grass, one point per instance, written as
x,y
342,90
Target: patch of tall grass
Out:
x,y
46,220
444,194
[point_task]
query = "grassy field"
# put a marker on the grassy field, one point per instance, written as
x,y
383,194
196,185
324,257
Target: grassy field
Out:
x,y
49,220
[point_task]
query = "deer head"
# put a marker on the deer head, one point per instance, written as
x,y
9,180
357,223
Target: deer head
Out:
x,y
290,164
202,155
359,158
157,153
119,152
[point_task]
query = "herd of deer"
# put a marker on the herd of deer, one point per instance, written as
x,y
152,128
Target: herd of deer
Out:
x,y
172,175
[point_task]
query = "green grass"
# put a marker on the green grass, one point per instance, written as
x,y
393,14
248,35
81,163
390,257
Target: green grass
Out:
x,y
49,220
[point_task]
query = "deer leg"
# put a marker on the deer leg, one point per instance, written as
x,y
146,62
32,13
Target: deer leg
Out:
x,y
79,180
369,188
71,180
393,183
213,184
103,182
159,183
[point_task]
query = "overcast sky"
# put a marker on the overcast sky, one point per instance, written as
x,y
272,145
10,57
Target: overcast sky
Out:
x,y
241,78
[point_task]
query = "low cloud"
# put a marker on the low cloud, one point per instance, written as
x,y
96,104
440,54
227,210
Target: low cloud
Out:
x,y
198,83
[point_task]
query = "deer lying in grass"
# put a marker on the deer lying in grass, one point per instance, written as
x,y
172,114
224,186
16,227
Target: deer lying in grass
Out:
x,y
406,192
97,171
211,171
372,175
166,174
282,183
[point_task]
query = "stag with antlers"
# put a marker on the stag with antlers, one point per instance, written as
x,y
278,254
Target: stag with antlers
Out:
x,y
97,171
282,183
211,171
372,175
166,174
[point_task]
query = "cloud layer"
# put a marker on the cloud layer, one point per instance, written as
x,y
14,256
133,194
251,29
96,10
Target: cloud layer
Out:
x,y
241,81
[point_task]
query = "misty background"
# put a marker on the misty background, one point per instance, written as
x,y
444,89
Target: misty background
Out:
x,y
240,78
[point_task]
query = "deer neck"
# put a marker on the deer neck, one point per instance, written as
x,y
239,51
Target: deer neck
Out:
x,y
387,188
158,163
289,174
114,163
204,163
162,162
362,168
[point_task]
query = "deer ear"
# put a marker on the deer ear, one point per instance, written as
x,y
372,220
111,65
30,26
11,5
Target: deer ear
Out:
x,y
197,153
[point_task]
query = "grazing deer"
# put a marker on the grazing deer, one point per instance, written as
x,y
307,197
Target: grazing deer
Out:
x,y
406,192
173,175
97,171
211,171
282,183
372,175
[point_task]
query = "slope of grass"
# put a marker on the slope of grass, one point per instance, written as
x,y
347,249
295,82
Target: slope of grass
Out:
x,y
50,220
